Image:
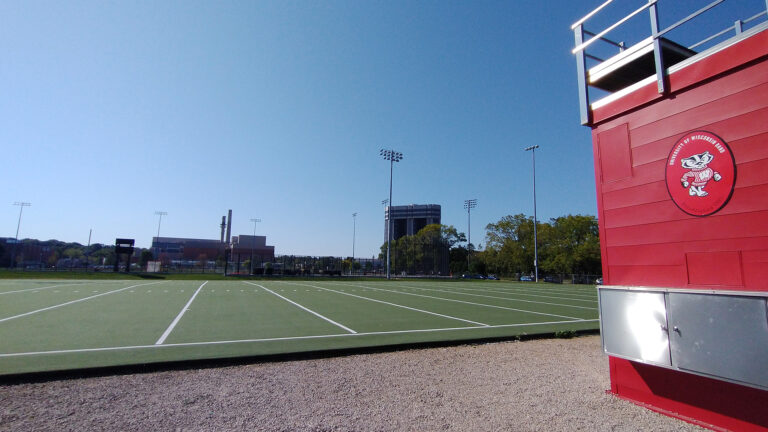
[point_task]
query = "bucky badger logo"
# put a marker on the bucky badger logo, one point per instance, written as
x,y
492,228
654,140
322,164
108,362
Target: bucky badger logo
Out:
x,y
699,175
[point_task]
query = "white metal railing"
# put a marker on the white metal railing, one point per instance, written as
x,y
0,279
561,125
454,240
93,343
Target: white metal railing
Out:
x,y
581,45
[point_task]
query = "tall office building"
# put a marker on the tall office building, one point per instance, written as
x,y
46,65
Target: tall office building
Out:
x,y
409,219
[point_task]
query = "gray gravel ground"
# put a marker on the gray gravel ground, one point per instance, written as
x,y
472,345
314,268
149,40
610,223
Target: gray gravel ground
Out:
x,y
541,385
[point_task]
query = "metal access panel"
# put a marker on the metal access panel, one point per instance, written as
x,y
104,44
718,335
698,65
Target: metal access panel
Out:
x,y
633,325
721,336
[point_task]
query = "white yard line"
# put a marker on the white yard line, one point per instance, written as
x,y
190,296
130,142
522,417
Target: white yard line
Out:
x,y
471,303
304,308
44,288
550,291
74,301
395,304
500,298
532,295
289,338
178,317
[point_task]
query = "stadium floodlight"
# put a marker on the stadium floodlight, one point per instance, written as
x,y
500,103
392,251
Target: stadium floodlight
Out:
x,y
532,149
392,156
159,219
469,205
18,225
354,230
253,240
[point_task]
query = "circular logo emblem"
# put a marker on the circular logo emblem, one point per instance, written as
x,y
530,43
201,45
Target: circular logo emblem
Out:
x,y
700,173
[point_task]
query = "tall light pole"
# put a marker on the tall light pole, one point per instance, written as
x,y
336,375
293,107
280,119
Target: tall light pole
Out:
x,y
354,231
535,220
392,156
253,240
16,242
159,219
469,205
385,203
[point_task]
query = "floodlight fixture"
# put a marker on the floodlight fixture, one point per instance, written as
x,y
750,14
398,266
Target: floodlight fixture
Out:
x,y
532,149
392,156
469,205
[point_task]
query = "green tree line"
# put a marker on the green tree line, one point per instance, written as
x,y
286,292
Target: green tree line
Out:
x,y
566,245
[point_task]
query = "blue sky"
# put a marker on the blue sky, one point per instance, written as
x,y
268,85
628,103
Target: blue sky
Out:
x,y
277,110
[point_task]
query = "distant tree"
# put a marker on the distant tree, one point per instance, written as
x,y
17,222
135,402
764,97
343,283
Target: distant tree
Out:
x,y
566,245
105,255
427,251
509,243
53,258
73,252
573,245
145,257
457,260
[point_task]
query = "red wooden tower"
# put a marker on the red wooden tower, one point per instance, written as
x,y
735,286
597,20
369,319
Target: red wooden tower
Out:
x,y
680,141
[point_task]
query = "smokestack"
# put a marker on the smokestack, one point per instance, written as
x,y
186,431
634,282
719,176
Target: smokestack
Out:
x,y
223,227
229,225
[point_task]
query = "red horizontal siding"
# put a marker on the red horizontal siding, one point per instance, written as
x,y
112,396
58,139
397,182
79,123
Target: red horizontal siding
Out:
x,y
745,149
744,200
636,212
694,229
642,194
719,109
727,86
674,253
691,397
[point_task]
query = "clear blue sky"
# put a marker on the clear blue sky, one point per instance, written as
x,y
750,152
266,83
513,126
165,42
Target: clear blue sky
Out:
x,y
277,110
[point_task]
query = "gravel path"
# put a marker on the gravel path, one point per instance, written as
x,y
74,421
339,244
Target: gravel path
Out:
x,y
552,385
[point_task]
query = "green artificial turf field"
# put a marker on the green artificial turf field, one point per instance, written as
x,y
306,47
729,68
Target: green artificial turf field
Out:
x,y
70,324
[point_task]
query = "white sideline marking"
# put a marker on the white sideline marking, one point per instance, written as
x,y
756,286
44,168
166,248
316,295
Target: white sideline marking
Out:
x,y
544,290
521,293
178,317
400,306
43,288
73,301
288,338
476,304
308,310
502,298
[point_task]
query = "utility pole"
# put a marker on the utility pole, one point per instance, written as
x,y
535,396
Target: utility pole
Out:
x,y
469,205
535,220
16,242
354,230
160,219
253,241
385,203
88,250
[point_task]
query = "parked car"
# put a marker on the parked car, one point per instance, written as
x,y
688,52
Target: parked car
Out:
x,y
492,277
599,281
526,278
553,279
